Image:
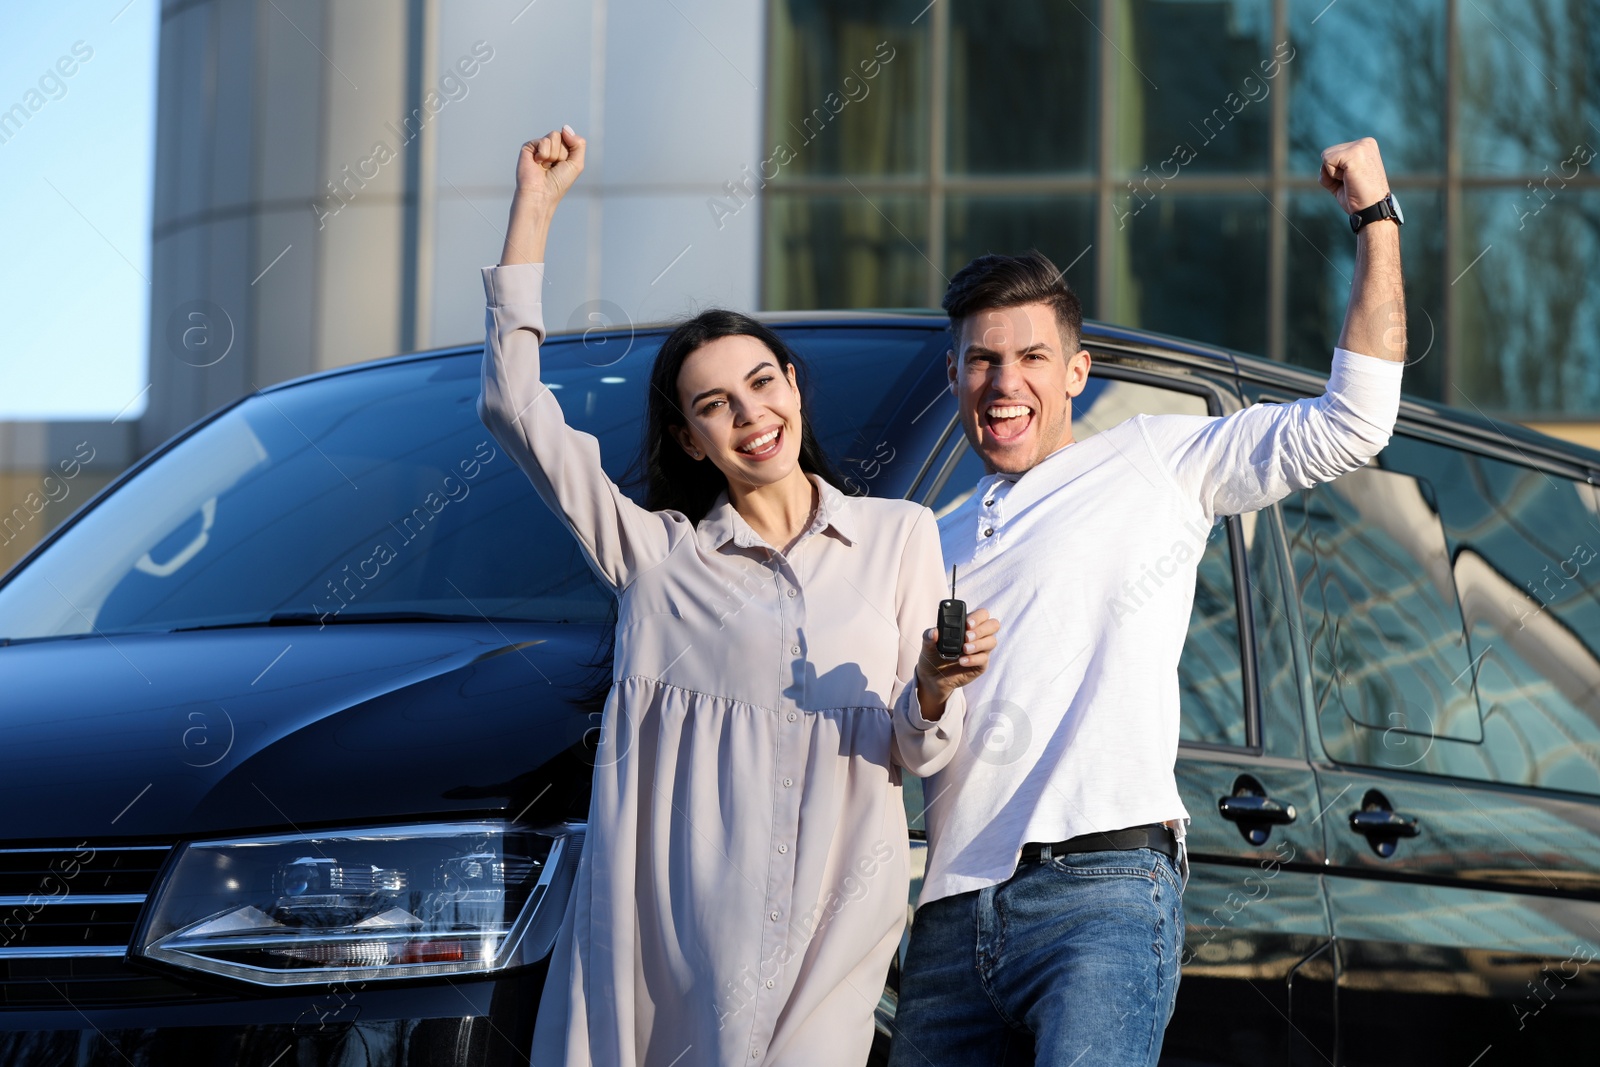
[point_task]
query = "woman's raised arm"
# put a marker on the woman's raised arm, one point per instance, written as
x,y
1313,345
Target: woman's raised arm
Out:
x,y
546,169
620,537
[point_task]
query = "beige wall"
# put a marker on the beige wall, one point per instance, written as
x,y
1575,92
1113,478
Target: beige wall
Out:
x,y
264,103
256,278
27,511
50,469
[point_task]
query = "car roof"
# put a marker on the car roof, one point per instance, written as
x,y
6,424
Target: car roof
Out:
x,y
1138,343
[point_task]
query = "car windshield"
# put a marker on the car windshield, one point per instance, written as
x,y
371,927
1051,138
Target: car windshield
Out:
x,y
379,493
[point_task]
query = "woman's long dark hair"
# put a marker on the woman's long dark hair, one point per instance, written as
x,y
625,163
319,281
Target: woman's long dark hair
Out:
x,y
673,481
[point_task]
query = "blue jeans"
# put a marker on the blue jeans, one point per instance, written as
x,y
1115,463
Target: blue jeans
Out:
x,y
1071,961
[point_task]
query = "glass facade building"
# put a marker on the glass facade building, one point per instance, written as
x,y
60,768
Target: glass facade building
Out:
x,y
855,153
1165,153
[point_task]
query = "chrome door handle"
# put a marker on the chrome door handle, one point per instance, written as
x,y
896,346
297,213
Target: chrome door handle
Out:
x,y
1252,811
1257,809
1380,824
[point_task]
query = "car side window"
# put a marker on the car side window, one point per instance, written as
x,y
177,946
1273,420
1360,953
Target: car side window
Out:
x,y
1525,548
1389,656
963,478
1453,616
1211,670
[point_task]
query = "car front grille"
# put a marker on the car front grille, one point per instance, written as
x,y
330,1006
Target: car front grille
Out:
x,y
67,914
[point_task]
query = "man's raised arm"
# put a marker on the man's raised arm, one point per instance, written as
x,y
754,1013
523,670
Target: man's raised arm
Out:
x,y
1257,456
1375,320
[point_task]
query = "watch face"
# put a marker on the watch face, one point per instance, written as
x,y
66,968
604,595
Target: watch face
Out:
x,y
1394,202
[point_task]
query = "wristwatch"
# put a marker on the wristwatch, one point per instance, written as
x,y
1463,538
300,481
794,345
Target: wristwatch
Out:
x,y
1387,208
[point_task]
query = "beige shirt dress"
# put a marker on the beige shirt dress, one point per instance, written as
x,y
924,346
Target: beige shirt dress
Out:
x,y
743,882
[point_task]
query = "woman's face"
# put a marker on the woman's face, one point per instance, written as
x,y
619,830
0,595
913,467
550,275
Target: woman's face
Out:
x,y
741,410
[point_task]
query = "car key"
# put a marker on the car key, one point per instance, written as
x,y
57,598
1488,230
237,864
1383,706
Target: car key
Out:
x,y
952,623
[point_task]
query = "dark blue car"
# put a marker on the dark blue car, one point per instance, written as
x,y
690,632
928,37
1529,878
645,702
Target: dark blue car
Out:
x,y
296,722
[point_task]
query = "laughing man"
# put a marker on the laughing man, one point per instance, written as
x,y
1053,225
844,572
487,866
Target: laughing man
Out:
x,y
1051,917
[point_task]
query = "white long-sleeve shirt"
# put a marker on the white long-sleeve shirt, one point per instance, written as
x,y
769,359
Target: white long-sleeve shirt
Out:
x,y
1089,560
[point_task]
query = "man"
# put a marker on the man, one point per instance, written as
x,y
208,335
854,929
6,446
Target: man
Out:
x,y
1051,916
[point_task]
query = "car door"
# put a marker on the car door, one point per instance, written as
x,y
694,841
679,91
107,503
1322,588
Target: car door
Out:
x,y
1451,617
1257,968
1257,985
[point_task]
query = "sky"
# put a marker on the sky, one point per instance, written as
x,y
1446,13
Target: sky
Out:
x,y
76,171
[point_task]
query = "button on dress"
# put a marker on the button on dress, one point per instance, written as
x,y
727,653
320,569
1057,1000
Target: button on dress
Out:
x,y
743,883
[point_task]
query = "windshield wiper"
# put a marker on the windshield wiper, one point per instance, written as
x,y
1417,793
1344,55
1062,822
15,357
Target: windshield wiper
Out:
x,y
319,619
6,642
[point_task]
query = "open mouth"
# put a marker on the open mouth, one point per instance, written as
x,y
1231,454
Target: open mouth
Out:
x,y
1007,422
763,446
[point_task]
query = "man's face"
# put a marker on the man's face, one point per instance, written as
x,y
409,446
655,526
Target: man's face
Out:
x,y
1015,385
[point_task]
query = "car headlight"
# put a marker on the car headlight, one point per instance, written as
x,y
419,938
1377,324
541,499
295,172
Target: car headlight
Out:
x,y
358,905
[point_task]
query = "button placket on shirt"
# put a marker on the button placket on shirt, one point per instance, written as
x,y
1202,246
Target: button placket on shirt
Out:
x,y
991,514
791,614
785,807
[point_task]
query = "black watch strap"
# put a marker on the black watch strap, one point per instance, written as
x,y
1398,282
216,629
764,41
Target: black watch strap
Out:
x,y
1383,209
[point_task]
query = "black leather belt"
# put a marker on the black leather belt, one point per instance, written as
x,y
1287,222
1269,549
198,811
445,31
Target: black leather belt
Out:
x,y
1151,835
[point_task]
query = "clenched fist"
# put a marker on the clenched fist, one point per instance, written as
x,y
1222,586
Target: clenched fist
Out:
x,y
1353,173
546,169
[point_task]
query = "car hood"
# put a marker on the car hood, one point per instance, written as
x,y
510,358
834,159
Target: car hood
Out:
x,y
163,736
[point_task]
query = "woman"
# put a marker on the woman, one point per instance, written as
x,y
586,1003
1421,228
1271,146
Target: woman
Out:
x,y
743,883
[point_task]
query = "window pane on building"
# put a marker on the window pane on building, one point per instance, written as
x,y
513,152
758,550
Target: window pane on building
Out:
x,y
1530,83
845,251
1322,258
1195,266
1022,96
848,88
1194,78
1173,117
1062,227
1366,70
1528,301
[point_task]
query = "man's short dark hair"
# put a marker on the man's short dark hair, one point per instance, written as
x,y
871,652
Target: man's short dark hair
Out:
x,y
991,283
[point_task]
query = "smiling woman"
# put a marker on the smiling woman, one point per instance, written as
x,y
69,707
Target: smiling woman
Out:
x,y
744,774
